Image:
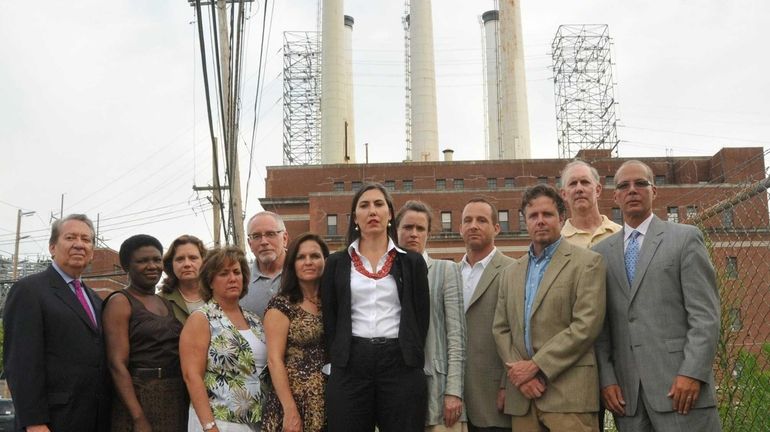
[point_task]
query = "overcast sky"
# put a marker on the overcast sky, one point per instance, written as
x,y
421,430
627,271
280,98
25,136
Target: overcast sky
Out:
x,y
102,102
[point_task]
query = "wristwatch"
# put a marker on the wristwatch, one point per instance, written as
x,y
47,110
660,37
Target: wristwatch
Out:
x,y
209,426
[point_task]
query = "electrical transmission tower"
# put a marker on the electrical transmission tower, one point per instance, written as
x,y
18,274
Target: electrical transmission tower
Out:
x,y
585,101
301,98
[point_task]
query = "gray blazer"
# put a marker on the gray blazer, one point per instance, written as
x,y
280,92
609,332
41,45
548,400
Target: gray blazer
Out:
x,y
445,344
484,369
666,323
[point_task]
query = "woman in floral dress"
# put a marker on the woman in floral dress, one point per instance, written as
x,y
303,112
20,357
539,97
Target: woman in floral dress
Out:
x,y
222,349
295,346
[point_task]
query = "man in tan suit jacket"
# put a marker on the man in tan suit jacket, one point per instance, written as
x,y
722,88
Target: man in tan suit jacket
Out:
x,y
549,312
481,267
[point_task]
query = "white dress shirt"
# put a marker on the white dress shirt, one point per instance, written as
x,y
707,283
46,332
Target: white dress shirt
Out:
x,y
642,229
472,274
374,303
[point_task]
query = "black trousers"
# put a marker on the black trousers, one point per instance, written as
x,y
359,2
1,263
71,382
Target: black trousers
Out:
x,y
376,388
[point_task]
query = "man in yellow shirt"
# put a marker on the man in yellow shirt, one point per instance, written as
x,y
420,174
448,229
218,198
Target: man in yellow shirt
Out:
x,y
581,190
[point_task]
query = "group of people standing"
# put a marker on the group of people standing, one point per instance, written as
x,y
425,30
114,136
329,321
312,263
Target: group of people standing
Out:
x,y
379,334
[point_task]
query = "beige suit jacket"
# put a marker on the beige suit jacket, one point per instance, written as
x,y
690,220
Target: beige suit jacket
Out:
x,y
483,368
567,316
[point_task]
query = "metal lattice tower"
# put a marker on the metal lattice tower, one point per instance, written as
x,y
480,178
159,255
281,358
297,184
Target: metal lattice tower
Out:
x,y
301,98
585,101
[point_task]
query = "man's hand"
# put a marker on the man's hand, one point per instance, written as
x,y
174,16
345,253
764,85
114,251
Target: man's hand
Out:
x,y
613,399
500,402
533,388
453,407
684,392
522,371
38,428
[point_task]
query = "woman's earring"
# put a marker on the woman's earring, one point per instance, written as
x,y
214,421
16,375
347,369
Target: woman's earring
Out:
x,y
388,224
356,227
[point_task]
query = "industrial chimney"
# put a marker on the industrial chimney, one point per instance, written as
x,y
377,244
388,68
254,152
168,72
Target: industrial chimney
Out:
x,y
422,82
514,120
494,100
337,145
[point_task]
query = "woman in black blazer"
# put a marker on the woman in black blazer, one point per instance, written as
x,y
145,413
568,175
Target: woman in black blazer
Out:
x,y
376,310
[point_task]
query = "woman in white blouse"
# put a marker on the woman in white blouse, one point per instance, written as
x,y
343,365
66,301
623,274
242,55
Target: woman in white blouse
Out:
x,y
376,311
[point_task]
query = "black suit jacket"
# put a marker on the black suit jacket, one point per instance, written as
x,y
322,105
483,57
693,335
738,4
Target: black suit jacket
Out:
x,y
54,357
411,275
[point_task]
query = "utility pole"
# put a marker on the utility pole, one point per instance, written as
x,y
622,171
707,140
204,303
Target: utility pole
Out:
x,y
231,140
19,214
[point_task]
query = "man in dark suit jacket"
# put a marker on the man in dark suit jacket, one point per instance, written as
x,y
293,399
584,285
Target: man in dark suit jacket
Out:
x,y
660,337
53,349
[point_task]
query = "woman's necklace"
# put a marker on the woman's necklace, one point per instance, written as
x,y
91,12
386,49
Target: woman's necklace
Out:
x,y
359,265
189,300
315,300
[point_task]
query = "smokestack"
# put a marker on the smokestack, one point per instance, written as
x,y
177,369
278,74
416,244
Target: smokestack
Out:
x,y
422,82
514,115
492,80
336,130
348,64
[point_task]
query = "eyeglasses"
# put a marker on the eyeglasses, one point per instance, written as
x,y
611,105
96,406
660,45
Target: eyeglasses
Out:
x,y
638,184
270,235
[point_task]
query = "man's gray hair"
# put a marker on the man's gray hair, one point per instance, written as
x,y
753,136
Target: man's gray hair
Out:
x,y
278,219
56,226
579,162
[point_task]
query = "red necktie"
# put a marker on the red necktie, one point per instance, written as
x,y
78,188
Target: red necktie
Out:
x,y
82,298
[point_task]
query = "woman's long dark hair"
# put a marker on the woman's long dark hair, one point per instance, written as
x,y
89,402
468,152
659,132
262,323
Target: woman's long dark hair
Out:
x,y
354,234
289,281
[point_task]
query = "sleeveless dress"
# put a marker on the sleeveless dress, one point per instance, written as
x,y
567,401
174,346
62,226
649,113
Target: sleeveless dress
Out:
x,y
153,343
304,359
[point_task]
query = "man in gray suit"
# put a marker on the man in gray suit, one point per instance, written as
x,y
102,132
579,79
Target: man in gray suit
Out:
x,y
481,267
659,340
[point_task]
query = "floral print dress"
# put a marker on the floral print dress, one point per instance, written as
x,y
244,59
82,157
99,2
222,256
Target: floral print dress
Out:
x,y
232,369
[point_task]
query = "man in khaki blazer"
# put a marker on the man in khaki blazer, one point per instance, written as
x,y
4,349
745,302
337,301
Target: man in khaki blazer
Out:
x,y
549,312
481,267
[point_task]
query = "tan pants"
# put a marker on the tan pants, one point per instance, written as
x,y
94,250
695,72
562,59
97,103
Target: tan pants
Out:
x,y
457,427
539,421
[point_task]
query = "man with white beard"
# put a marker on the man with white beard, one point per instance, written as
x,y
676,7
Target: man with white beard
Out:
x,y
268,239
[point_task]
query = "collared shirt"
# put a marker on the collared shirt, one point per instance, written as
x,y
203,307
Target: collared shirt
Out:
x,y
374,303
472,275
68,279
642,228
587,239
535,271
261,289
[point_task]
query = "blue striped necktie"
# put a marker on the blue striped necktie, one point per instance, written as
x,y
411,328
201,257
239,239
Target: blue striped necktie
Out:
x,y
632,255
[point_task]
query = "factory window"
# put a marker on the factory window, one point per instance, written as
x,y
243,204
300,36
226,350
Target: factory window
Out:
x,y
440,184
542,180
731,269
617,215
502,219
446,221
509,182
407,185
522,222
459,184
673,214
355,186
331,225
491,183
609,180
339,186
660,180
692,211
390,185
727,218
